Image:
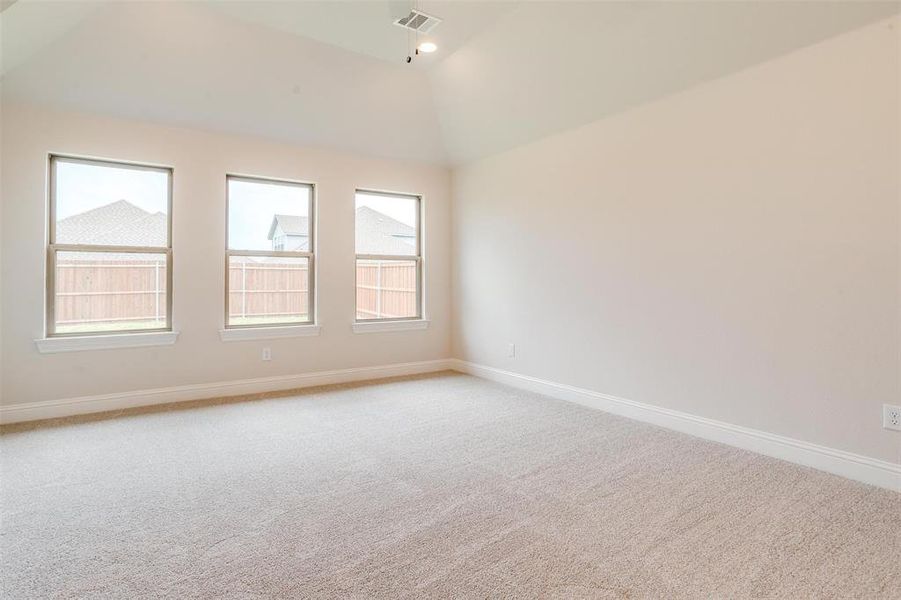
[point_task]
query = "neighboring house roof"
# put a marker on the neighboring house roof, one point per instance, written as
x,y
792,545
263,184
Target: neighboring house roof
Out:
x,y
377,233
124,224
290,225
120,223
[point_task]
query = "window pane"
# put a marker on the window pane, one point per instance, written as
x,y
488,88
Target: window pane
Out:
x,y
386,224
266,290
387,289
109,291
266,215
111,205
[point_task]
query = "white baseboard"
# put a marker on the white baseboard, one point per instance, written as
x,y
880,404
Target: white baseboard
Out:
x,y
52,409
853,466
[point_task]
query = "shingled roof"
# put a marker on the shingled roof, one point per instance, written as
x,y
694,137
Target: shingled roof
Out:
x,y
290,225
377,233
120,223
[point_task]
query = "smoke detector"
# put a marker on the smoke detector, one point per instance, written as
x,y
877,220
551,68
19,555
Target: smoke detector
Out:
x,y
418,21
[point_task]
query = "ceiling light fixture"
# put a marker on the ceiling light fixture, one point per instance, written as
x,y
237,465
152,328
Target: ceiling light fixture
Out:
x,y
417,22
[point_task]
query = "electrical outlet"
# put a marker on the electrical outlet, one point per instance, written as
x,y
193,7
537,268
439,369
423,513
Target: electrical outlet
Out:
x,y
267,354
511,350
891,417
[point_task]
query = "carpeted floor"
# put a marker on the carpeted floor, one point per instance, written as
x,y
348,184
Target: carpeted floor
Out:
x,y
443,486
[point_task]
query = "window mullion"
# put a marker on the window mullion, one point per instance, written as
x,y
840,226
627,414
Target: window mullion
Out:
x,y
105,248
269,253
388,257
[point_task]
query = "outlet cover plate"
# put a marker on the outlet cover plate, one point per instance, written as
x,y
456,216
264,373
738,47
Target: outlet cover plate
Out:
x,y
891,417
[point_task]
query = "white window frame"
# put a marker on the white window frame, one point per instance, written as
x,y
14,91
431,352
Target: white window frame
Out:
x,y
53,247
310,256
360,323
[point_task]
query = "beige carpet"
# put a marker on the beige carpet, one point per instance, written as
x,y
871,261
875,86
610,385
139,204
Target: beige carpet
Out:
x,y
436,487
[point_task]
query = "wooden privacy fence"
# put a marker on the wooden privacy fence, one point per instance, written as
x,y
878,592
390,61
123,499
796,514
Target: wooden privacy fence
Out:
x,y
268,289
111,291
386,289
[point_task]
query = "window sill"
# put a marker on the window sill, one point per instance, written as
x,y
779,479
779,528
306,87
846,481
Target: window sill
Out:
x,y
378,326
240,334
53,345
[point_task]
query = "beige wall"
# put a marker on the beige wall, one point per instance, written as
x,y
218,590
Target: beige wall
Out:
x,y
201,161
731,251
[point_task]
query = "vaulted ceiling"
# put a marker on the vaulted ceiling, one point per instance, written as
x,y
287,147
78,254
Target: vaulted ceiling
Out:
x,y
333,74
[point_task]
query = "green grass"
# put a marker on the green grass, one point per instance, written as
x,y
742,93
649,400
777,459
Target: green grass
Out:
x,y
118,326
112,326
261,320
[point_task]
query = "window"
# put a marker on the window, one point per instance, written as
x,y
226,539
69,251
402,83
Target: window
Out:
x,y
269,255
389,256
109,261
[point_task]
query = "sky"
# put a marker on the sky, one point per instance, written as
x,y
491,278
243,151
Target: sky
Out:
x,y
400,208
81,187
253,204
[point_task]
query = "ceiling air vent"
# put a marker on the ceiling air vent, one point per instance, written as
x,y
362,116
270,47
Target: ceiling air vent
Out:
x,y
418,21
